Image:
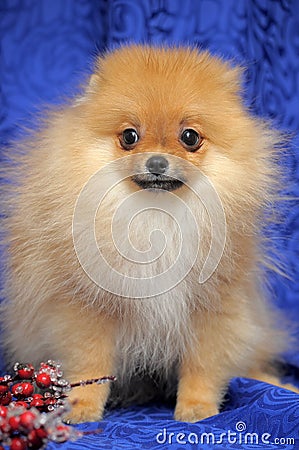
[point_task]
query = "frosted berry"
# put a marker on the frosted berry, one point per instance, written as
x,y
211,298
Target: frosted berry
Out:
x,y
51,401
47,367
43,380
44,365
14,423
21,403
36,396
24,389
3,411
25,371
35,439
18,443
5,399
41,432
37,403
61,433
4,427
27,419
3,387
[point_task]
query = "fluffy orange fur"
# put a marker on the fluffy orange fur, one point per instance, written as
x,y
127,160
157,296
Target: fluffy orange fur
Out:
x,y
206,333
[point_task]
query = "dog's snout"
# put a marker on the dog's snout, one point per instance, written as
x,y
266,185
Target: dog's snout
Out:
x,y
157,164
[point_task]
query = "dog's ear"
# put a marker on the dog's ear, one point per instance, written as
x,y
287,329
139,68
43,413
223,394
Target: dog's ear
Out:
x,y
93,82
233,77
87,88
98,75
228,73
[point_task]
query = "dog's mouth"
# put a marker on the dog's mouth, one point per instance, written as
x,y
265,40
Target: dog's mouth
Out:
x,y
156,181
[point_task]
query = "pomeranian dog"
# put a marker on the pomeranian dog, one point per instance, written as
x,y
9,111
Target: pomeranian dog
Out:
x,y
133,228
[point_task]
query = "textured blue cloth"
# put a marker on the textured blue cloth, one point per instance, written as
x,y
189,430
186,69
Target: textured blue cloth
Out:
x,y
256,416
46,48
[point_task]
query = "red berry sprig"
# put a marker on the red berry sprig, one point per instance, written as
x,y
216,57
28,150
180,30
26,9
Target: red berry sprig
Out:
x,y
32,406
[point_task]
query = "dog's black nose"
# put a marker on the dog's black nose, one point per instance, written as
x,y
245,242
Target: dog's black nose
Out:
x,y
157,164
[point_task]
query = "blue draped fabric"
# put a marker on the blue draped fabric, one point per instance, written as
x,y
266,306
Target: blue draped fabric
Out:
x,y
46,48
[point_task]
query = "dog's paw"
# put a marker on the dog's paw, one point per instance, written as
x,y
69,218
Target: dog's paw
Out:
x,y
83,412
189,411
86,405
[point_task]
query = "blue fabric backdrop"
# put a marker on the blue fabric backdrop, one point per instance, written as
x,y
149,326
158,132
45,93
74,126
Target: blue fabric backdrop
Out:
x,y
46,48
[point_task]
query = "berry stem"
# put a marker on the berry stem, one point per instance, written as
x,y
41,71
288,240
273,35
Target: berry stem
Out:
x,y
93,381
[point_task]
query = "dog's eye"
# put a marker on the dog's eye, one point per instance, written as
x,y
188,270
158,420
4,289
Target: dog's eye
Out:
x,y
129,138
191,139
